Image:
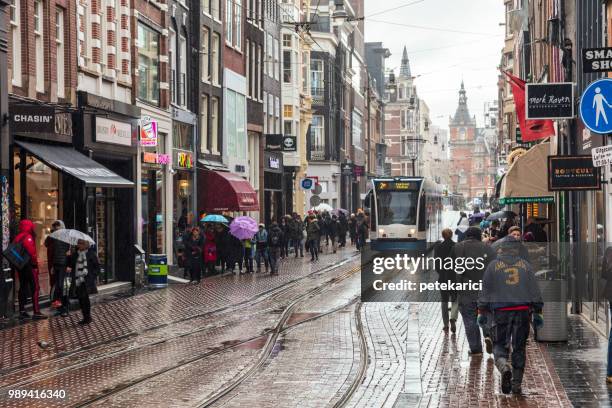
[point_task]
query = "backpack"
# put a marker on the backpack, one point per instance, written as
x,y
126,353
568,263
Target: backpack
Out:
x,y
17,255
274,238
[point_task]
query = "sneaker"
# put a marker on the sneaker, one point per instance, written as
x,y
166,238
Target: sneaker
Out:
x,y
453,326
506,383
85,322
56,304
445,329
39,316
516,389
489,345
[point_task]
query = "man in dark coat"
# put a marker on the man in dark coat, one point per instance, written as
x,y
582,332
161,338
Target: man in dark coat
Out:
x,y
511,293
275,242
84,267
343,227
194,245
296,232
472,248
536,229
332,231
443,250
59,251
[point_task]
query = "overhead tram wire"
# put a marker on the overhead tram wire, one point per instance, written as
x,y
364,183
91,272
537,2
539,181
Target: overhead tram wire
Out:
x,y
394,8
438,29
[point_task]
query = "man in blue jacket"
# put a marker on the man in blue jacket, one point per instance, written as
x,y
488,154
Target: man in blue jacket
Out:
x,y
511,293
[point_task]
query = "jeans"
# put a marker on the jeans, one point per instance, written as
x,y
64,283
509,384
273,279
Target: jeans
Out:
x,y
469,312
262,253
313,246
511,328
59,290
610,346
28,287
298,245
446,296
275,253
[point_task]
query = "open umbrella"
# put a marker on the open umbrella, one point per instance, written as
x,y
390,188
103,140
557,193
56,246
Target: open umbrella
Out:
x,y
71,236
243,227
501,215
323,207
214,218
339,211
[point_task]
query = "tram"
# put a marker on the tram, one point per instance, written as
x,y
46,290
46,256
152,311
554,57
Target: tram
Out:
x,y
405,213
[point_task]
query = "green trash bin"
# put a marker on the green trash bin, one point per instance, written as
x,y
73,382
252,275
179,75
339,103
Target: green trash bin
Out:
x,y
158,270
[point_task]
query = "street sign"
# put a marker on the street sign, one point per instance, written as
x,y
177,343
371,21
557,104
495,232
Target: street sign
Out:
x,y
281,143
307,184
550,101
318,189
596,60
596,106
602,156
315,200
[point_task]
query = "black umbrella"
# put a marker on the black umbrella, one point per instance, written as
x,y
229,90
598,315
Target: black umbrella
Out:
x,y
501,215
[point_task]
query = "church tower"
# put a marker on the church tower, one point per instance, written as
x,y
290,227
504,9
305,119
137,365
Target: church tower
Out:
x,y
462,128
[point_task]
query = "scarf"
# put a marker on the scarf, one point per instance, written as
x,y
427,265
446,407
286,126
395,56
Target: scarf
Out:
x,y
81,267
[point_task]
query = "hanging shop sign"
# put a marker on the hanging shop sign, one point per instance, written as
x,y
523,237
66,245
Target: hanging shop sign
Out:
x,y
596,60
572,173
281,143
32,118
602,156
595,110
155,158
184,160
148,131
550,101
347,169
358,171
114,132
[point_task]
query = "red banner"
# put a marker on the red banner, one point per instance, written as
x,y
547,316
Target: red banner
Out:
x,y
530,129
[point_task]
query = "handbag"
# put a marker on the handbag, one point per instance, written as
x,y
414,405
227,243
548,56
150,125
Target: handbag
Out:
x,y
17,255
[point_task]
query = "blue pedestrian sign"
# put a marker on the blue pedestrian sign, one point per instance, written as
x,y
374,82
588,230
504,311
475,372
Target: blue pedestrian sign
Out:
x,y
307,184
596,106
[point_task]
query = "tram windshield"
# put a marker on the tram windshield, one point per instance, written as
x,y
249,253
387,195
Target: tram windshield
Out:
x,y
397,207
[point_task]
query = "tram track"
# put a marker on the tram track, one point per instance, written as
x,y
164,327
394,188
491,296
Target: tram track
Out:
x,y
224,312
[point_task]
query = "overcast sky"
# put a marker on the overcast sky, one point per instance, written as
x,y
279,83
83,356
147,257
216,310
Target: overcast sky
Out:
x,y
470,49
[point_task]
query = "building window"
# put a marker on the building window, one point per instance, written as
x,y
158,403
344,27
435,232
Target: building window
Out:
x,y
204,140
39,44
276,60
59,42
205,4
229,22
288,111
183,74
259,76
317,138
216,9
182,137
287,67
173,74
215,58
254,70
214,118
235,115
403,119
462,134
356,129
238,17
316,77
305,72
15,14
288,128
248,67
205,53
287,40
148,64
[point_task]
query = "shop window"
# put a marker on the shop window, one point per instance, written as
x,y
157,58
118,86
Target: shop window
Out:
x,y
182,136
184,217
148,64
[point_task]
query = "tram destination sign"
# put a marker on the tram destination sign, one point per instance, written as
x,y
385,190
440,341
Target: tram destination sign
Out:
x,y
396,186
597,60
550,101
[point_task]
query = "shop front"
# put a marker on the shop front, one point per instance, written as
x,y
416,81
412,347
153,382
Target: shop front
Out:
x,y
225,192
274,201
108,133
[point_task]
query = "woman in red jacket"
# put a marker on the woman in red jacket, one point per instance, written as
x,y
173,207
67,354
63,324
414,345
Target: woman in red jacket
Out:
x,y
210,251
28,276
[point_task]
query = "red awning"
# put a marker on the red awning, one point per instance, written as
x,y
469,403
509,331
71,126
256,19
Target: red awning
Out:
x,y
225,191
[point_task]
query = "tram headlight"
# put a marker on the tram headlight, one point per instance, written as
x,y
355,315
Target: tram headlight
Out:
x,y
381,231
412,231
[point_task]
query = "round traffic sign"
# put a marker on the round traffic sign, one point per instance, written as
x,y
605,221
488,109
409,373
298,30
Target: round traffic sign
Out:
x,y
596,106
318,189
315,200
307,184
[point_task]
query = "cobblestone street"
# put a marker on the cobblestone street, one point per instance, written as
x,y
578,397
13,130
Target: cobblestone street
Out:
x,y
299,339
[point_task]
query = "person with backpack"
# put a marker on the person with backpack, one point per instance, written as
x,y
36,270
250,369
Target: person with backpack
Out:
x,y
511,293
313,236
261,239
275,243
28,274
84,268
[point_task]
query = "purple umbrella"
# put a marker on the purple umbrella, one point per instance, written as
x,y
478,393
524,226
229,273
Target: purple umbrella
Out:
x,y
243,227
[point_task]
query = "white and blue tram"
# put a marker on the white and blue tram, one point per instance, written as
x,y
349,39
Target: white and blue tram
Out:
x,y
405,213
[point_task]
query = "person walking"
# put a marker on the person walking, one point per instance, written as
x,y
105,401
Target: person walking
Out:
x,y
248,245
313,236
285,241
353,229
342,229
59,252
510,291
296,234
210,251
472,247
84,268
462,225
332,231
606,275
362,229
322,231
194,244
275,245
443,251
235,253
28,275
261,238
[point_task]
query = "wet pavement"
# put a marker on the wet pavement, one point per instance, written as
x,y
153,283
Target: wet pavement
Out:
x,y
300,339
